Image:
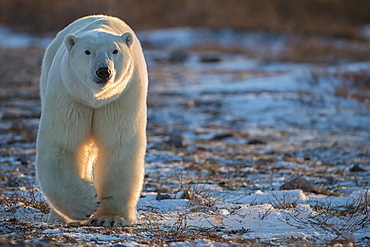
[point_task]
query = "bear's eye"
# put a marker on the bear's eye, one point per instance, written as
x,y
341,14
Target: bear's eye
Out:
x,y
87,52
115,51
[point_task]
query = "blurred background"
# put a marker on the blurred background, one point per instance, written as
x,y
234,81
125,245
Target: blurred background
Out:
x,y
244,97
339,18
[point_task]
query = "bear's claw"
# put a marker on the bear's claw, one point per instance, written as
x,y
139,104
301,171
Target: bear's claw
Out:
x,y
108,221
96,208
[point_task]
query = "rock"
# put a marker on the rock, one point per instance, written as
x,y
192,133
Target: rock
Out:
x,y
210,58
300,183
256,142
161,196
175,140
357,168
178,56
22,160
13,182
221,136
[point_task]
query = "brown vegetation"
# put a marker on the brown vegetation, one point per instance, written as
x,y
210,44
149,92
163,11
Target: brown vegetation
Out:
x,y
316,50
340,18
257,156
348,84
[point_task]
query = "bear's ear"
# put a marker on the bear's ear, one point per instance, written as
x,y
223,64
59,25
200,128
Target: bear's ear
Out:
x,y
69,41
127,38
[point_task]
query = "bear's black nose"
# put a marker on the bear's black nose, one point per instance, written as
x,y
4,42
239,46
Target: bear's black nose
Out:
x,y
103,73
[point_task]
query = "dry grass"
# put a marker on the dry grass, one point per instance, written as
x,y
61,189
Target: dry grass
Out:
x,y
319,50
15,200
19,68
348,84
283,202
354,215
340,18
341,221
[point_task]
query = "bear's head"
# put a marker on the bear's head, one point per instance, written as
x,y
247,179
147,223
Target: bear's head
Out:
x,y
100,61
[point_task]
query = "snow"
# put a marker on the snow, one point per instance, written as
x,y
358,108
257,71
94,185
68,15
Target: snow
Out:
x,y
235,187
366,31
257,214
11,39
175,38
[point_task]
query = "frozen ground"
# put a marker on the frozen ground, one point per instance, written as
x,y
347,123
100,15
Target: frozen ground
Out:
x,y
240,150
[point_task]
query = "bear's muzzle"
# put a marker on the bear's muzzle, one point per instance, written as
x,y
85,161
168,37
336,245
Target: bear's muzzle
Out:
x,y
103,73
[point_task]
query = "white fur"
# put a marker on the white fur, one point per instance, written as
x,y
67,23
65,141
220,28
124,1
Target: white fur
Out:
x,y
92,139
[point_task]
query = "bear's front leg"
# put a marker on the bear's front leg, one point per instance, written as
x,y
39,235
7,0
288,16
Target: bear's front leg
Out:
x,y
119,177
70,195
61,162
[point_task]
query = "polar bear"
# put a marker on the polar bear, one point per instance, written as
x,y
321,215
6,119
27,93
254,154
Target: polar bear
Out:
x,y
91,140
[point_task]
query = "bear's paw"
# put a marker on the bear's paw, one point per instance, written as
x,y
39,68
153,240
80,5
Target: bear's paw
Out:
x,y
84,204
107,220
